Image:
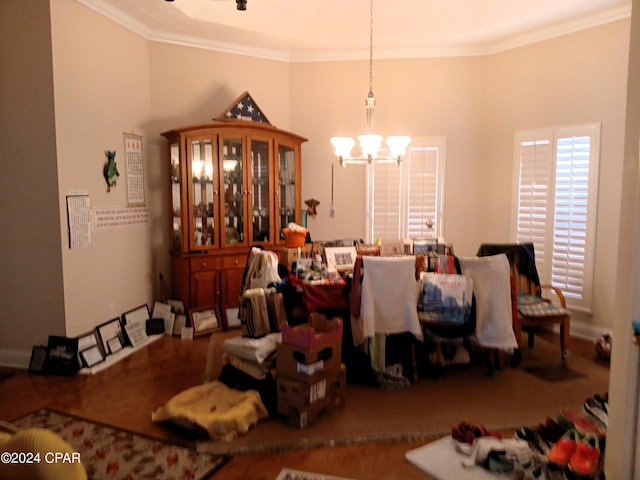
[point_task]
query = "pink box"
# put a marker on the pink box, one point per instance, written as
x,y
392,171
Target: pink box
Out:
x,y
319,332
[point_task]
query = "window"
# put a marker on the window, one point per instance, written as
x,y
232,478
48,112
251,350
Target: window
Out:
x,y
556,192
401,200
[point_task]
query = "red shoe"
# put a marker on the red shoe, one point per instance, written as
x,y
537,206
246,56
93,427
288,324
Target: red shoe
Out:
x,y
563,450
466,432
586,456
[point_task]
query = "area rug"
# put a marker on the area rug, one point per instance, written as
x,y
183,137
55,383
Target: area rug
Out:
x,y
427,409
111,453
552,373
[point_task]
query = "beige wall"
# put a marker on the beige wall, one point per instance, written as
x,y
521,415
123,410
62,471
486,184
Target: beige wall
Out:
x,y
424,97
574,79
101,79
108,81
31,287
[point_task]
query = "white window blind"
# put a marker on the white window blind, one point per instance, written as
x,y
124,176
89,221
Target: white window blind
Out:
x,y
400,200
556,196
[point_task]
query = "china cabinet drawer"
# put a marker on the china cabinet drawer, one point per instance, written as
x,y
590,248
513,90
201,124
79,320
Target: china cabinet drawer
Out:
x,y
234,261
204,264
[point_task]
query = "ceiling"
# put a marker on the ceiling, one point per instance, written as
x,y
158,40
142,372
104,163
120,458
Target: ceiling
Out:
x,y
314,30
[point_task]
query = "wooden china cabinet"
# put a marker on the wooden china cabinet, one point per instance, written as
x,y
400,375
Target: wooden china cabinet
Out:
x,y
234,182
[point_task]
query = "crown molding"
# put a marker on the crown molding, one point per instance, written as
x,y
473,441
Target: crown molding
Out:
x,y
564,28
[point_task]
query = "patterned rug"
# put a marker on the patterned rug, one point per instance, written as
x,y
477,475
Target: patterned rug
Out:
x,y
111,453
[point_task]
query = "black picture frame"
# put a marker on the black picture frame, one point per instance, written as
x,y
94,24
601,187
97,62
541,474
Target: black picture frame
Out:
x,y
38,360
106,331
140,313
62,356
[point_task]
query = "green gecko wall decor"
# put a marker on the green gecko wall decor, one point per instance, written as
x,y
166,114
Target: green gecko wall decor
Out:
x,y
110,169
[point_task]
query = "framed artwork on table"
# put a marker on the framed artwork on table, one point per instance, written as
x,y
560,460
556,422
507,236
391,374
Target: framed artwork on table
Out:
x,y
205,320
422,246
340,259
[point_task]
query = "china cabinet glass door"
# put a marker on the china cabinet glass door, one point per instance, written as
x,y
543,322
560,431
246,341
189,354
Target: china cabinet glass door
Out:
x,y
261,224
233,191
176,198
286,203
203,195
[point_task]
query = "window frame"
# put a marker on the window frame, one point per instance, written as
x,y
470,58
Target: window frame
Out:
x,y
417,146
549,264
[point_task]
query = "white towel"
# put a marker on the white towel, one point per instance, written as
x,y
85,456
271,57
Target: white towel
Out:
x,y
492,288
389,298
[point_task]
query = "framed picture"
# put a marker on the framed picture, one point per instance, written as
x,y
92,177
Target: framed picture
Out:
x,y
232,318
340,259
106,332
179,323
136,332
38,359
91,356
393,248
138,314
205,320
62,358
114,344
176,305
422,246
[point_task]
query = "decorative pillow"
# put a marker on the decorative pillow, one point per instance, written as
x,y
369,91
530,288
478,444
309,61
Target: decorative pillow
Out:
x,y
220,411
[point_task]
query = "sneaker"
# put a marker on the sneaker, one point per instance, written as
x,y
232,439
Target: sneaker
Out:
x,y
595,410
586,456
563,449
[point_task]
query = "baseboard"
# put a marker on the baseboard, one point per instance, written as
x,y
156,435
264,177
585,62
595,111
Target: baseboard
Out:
x,y
583,330
15,358
22,358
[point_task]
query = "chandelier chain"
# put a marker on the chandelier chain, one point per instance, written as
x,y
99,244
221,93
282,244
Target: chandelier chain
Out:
x,y
371,47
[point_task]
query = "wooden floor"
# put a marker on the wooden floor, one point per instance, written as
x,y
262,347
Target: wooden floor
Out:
x,y
125,395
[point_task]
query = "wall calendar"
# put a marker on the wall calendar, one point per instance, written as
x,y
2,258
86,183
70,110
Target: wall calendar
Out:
x,y
135,169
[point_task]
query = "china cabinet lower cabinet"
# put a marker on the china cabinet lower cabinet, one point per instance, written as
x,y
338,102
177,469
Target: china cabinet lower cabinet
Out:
x,y
232,184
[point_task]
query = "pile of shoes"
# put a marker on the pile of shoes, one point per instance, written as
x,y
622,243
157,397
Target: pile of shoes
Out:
x,y
571,446
579,454
488,449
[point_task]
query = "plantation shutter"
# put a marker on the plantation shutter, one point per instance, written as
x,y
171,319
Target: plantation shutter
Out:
x,y
557,191
534,187
400,199
386,209
571,220
422,196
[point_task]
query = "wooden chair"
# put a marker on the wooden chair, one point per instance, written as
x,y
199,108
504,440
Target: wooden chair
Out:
x,y
535,311
531,309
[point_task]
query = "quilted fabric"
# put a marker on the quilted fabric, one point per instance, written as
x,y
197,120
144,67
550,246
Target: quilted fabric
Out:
x,y
222,411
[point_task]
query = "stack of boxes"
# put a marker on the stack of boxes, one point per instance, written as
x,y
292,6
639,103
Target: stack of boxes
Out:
x,y
310,374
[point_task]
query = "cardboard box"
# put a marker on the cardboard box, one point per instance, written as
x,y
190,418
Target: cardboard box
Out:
x,y
300,403
319,332
289,255
305,364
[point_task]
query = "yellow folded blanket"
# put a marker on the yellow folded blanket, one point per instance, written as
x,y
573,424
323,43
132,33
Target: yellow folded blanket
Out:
x,y
221,411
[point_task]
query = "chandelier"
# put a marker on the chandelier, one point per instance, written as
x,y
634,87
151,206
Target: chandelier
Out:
x,y
370,143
